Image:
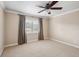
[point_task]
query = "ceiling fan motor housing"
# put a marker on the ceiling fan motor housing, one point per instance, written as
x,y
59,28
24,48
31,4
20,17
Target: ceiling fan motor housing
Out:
x,y
49,12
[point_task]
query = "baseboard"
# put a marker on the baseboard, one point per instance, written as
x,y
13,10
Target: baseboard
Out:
x,y
14,44
70,44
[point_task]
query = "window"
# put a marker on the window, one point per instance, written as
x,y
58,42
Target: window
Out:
x,y
32,26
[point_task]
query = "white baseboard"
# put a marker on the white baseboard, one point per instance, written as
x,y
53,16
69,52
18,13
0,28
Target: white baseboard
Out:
x,y
70,44
14,44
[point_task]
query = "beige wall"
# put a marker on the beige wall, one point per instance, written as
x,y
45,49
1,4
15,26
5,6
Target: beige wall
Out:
x,y
65,28
1,29
11,30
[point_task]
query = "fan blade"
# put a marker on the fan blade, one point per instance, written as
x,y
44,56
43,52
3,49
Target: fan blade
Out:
x,y
53,3
41,6
41,10
56,8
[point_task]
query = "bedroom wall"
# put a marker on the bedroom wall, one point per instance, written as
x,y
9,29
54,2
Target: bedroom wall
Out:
x,y
11,28
65,28
1,28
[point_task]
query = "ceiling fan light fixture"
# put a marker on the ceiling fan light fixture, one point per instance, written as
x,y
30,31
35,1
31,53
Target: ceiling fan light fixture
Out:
x,y
49,12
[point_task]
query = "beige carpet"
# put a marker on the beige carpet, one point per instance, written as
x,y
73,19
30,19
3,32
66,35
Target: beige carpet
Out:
x,y
43,48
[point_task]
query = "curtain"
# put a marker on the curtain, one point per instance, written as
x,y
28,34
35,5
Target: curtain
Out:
x,y
21,36
40,34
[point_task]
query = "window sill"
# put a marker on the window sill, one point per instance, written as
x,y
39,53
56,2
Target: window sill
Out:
x,y
31,32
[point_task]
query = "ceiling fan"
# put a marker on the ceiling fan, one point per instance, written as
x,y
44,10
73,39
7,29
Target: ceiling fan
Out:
x,y
50,6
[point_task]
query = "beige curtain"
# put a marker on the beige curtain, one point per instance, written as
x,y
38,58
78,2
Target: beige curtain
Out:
x,y
40,34
22,36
